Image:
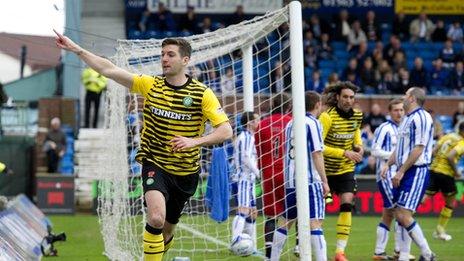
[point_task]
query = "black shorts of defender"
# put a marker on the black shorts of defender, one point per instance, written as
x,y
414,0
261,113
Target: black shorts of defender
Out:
x,y
440,182
176,189
343,183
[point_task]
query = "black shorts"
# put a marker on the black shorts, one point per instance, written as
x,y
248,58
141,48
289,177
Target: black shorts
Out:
x,y
176,189
343,183
440,182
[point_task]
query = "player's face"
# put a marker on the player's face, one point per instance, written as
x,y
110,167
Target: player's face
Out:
x,y
407,100
173,63
318,109
346,99
255,122
397,112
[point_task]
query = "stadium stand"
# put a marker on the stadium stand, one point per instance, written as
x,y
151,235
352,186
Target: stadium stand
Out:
x,y
428,51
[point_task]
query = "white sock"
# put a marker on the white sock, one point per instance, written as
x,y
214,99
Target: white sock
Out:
x,y
278,242
398,229
417,236
319,246
382,238
237,226
403,240
250,229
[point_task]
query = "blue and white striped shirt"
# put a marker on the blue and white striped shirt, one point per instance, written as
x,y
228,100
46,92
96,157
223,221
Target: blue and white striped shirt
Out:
x,y
245,157
385,140
314,138
415,129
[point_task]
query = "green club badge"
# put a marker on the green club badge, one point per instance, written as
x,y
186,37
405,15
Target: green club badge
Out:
x,y
187,101
149,181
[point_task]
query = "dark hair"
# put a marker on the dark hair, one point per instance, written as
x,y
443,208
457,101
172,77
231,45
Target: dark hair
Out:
x,y
394,102
419,94
311,99
461,126
330,93
247,117
185,49
281,103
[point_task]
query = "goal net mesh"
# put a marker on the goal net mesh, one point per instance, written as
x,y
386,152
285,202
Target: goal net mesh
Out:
x,y
217,62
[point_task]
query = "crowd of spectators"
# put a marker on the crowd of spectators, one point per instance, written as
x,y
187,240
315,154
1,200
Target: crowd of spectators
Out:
x,y
381,58
384,68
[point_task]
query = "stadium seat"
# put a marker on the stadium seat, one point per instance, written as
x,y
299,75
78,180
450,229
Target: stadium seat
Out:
x,y
411,53
170,34
134,34
446,122
437,47
339,46
327,64
152,34
427,55
325,72
407,45
458,47
341,55
386,37
424,46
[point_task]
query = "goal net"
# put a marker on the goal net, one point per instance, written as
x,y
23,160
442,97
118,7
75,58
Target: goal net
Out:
x,y
244,64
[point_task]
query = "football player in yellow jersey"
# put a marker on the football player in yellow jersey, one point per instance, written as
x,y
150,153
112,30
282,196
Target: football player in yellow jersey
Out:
x,y
341,132
448,150
175,109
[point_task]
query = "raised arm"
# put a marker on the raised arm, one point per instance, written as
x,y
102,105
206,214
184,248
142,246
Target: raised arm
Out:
x,y
99,64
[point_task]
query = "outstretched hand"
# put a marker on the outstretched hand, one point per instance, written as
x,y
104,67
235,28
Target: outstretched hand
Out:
x,y
65,43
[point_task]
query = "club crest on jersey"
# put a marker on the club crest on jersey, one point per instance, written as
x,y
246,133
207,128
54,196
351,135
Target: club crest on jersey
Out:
x,y
187,101
150,181
355,125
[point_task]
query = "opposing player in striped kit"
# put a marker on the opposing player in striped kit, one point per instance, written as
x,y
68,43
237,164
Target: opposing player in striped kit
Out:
x,y
318,185
247,172
385,140
412,156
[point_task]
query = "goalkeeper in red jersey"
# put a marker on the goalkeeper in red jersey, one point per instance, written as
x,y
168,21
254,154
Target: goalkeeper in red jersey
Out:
x,y
269,139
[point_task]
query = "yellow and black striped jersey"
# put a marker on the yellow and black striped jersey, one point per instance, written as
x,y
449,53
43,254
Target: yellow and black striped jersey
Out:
x,y
169,111
340,133
445,144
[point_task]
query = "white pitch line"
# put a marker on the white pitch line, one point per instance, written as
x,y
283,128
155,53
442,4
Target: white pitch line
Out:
x,y
210,238
203,235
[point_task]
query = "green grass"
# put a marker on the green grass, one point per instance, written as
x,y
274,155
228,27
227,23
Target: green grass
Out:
x,y
84,241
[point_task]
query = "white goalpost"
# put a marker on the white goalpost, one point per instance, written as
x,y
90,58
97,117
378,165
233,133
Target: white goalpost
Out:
x,y
245,65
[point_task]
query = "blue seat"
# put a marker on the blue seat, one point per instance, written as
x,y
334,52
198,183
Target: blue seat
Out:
x,y
446,122
170,33
329,64
325,72
407,45
339,46
458,47
437,46
134,34
308,72
410,63
386,37
411,53
386,26
152,34
421,46
341,55
427,55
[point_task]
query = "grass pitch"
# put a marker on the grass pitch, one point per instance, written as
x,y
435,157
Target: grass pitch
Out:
x,y
84,241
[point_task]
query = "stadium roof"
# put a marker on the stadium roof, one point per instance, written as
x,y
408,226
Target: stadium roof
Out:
x,y
42,52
